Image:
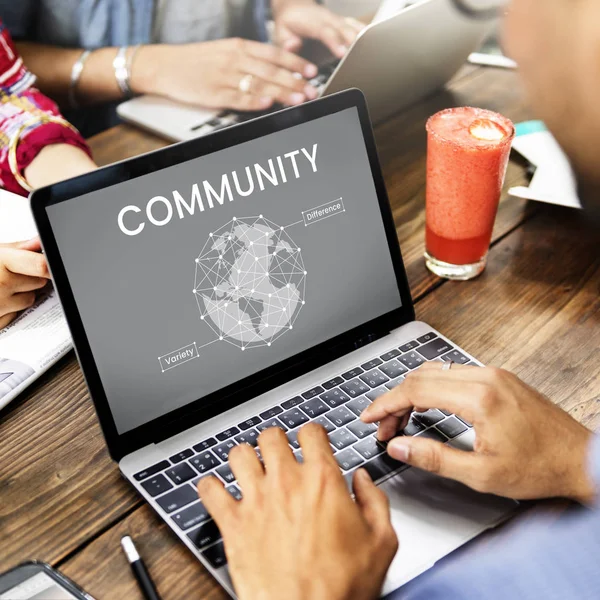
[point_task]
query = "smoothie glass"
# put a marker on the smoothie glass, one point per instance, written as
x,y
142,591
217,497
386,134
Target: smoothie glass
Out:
x,y
467,155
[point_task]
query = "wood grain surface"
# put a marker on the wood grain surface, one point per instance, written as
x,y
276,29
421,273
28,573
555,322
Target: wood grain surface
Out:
x,y
535,310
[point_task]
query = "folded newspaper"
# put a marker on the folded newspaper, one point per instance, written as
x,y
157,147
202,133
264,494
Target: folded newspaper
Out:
x,y
39,337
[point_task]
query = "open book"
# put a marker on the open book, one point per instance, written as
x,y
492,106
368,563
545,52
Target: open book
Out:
x,y
39,337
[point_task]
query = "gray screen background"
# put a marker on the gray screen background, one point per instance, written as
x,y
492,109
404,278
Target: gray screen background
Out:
x,y
134,293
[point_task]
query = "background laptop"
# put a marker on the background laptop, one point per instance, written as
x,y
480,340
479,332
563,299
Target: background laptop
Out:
x,y
248,280
395,62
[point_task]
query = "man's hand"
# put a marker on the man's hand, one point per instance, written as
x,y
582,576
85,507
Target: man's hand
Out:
x,y
23,270
299,19
209,74
526,447
297,533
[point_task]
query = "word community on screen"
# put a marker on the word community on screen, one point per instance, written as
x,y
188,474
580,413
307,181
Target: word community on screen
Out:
x,y
160,210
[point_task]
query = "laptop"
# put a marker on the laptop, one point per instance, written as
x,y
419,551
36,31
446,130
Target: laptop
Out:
x,y
246,280
395,62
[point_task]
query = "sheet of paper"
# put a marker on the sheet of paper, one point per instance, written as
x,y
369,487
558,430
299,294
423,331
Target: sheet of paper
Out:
x,y
554,181
16,222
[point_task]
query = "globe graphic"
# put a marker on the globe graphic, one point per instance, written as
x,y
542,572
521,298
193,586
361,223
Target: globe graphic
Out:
x,y
249,282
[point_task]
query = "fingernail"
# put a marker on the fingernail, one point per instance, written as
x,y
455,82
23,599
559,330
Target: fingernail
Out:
x,y
297,75
399,450
310,71
297,98
266,101
342,50
310,92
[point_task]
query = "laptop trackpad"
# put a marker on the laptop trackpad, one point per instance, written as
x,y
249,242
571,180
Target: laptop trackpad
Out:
x,y
432,517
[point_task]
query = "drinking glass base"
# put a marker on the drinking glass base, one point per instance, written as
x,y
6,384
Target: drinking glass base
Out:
x,y
455,272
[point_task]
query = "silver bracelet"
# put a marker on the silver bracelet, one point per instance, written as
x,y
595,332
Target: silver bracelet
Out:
x,y
76,76
121,73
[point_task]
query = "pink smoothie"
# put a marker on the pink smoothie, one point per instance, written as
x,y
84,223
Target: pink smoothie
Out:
x,y
467,154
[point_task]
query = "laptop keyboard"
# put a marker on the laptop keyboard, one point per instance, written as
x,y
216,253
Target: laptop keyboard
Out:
x,y
336,404
227,118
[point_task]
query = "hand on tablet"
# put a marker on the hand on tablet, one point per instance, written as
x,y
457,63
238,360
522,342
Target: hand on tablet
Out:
x,y
297,533
23,271
526,447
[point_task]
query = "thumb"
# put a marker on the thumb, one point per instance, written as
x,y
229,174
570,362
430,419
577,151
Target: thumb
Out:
x,y
372,501
433,456
33,245
287,39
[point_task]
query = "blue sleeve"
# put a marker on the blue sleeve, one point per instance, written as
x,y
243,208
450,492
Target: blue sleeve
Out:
x,y
548,559
18,16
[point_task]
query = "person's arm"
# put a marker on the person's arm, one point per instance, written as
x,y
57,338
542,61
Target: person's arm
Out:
x,y
526,447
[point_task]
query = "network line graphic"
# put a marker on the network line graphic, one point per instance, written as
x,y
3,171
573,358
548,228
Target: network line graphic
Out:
x,y
249,282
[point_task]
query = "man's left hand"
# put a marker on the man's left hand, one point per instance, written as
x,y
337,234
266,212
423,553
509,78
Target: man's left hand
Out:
x,y
299,19
297,533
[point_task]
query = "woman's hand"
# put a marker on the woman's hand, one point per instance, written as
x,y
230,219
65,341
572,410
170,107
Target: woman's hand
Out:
x,y
209,74
23,271
526,447
299,19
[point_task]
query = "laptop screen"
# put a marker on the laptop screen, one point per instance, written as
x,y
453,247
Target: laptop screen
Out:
x,y
201,274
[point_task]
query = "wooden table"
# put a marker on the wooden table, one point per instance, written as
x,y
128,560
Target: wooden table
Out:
x,y
535,311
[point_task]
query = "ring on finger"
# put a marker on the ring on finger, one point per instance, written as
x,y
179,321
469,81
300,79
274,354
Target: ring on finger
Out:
x,y
245,83
447,365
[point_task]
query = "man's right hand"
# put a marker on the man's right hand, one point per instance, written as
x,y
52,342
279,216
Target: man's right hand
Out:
x,y
526,447
23,270
208,74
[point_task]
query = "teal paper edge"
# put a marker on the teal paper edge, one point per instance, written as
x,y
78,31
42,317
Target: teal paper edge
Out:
x,y
528,127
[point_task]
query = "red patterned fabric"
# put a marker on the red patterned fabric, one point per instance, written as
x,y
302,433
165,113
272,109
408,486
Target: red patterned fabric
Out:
x,y
20,102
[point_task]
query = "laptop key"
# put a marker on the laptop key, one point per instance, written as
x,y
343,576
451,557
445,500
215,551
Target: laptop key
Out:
x,y
341,438
215,555
177,458
225,435
348,459
412,360
361,430
355,387
357,405
393,369
292,402
298,456
157,468
374,378
223,450
433,434
369,448
157,485
180,473
226,474
178,498
413,427
382,465
352,373
190,517
429,418
408,347
247,437
390,385
435,348
249,423
271,423
374,394
292,437
205,461
234,491
457,357
334,397
389,355
313,392
314,408
293,418
371,364
205,445
325,423
451,427
340,416
427,337
205,535
332,383
272,412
